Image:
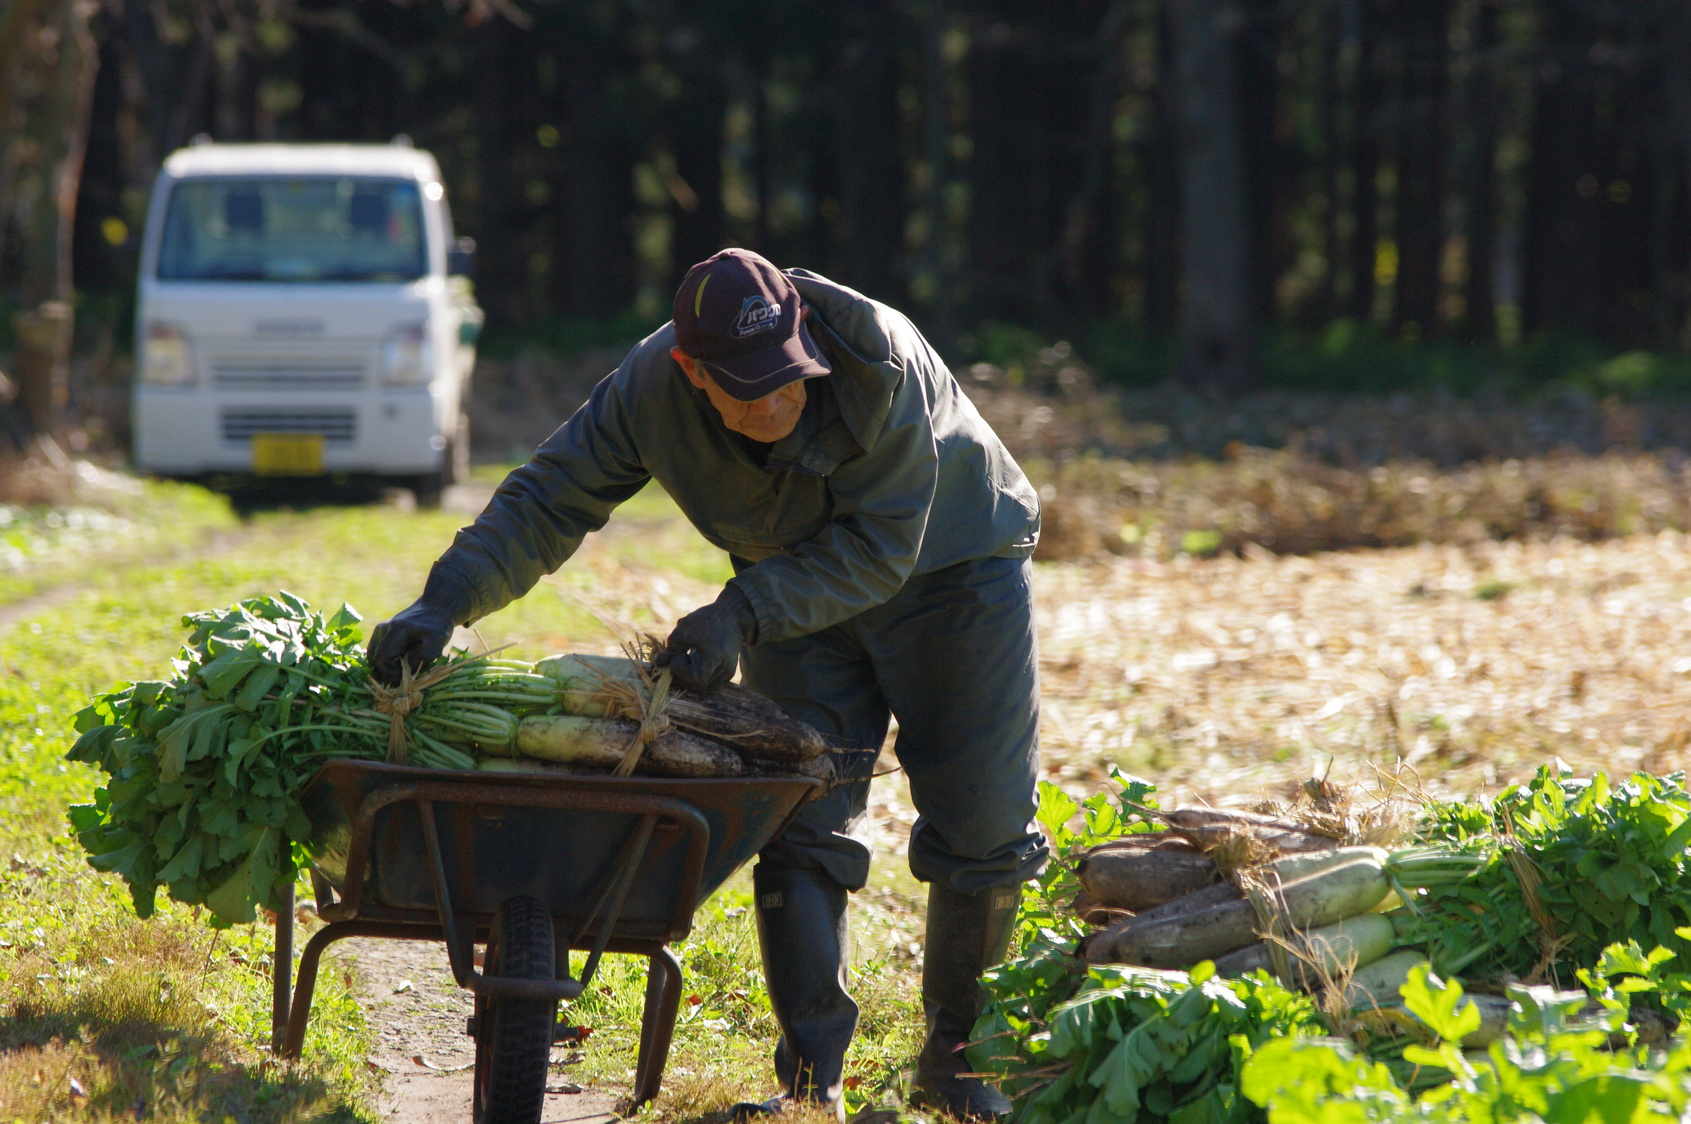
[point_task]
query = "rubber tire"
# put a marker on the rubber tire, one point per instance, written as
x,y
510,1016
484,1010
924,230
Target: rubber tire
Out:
x,y
514,1036
454,468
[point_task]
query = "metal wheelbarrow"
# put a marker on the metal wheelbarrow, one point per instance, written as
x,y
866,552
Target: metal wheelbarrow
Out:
x,y
531,866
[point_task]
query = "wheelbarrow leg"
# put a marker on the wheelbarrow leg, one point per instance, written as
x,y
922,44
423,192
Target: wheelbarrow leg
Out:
x,y
300,1011
281,969
657,1025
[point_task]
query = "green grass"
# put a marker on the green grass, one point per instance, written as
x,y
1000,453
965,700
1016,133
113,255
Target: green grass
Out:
x,y
169,1018
42,547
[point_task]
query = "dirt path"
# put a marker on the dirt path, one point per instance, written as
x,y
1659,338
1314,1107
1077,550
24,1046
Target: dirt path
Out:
x,y
418,1014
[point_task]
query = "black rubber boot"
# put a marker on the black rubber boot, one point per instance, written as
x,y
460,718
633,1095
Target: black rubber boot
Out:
x,y
966,935
801,928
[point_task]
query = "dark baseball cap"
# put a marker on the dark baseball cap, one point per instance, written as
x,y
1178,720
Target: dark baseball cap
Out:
x,y
737,316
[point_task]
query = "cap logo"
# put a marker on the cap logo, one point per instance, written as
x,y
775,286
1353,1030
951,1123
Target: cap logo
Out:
x,y
756,315
699,293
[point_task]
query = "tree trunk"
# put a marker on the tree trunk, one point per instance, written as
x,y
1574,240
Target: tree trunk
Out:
x,y
1479,317
871,159
1218,336
763,159
504,62
1334,55
936,143
1160,156
99,195
49,79
1593,179
695,122
596,243
1422,27
1676,89
1267,151
1365,158
1088,252
1000,170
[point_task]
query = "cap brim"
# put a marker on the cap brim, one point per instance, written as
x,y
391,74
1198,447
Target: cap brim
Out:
x,y
746,378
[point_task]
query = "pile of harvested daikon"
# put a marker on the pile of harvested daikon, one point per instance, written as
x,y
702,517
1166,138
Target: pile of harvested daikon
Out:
x,y
1251,891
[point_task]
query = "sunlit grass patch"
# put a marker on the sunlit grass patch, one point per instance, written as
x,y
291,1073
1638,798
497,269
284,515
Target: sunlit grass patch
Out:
x,y
164,1019
45,546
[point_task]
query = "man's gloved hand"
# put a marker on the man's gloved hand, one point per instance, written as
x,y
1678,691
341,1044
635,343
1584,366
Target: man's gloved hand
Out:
x,y
417,635
704,648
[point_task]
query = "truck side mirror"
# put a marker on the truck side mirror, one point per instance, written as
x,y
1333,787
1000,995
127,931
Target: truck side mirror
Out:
x,y
461,257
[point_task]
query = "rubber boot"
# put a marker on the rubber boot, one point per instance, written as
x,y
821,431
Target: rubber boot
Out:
x,y
966,935
801,928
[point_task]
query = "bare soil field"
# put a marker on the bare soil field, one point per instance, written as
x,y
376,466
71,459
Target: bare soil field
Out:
x,y
1232,678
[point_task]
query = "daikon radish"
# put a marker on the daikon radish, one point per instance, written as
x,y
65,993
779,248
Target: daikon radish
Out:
x,y
1179,942
1138,879
1321,954
573,740
751,724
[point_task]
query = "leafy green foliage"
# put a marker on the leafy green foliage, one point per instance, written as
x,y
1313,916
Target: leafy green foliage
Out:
x,y
1046,914
1556,1064
1139,1044
1604,862
206,768
1108,1043
1607,862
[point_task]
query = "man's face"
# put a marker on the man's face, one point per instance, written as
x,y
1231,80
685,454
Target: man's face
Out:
x,y
768,419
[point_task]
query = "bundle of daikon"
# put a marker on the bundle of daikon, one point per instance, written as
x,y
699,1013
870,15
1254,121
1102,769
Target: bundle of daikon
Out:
x,y
618,714
1251,891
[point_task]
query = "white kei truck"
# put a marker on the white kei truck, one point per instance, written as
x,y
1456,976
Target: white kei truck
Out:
x,y
304,310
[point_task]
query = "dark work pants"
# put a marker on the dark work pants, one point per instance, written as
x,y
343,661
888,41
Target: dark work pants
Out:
x,y
952,657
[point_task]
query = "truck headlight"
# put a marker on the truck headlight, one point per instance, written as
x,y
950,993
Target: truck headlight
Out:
x,y
408,356
167,359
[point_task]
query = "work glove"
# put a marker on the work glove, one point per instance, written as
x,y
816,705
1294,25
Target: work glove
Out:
x,y
704,648
418,635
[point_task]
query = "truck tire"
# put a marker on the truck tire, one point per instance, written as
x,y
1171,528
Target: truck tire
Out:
x,y
514,1036
454,468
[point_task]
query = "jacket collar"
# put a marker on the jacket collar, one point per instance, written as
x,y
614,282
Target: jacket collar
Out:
x,y
849,327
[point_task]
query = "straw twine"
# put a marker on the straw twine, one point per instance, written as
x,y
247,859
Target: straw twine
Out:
x,y
1550,942
398,701
646,702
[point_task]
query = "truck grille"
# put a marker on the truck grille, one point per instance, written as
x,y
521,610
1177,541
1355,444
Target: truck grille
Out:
x,y
259,374
334,425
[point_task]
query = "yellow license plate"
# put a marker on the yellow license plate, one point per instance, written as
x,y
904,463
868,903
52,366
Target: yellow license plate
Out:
x,y
287,454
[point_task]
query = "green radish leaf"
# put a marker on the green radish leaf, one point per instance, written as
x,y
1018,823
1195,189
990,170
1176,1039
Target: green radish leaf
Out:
x,y
235,900
257,685
119,861
84,817
346,617
93,745
93,717
1609,1098
185,863
1439,1004
1055,809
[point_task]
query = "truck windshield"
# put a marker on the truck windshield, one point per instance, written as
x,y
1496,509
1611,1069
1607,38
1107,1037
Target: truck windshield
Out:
x,y
305,229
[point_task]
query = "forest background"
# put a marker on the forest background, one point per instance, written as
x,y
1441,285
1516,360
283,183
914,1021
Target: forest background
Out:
x,y
1237,281
1237,194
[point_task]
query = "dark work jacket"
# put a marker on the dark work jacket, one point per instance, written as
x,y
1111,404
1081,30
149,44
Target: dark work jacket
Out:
x,y
890,473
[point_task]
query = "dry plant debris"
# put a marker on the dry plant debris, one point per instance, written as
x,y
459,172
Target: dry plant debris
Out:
x,y
1234,678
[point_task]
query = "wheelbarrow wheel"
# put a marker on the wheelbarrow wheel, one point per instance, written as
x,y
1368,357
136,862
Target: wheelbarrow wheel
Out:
x,y
514,1036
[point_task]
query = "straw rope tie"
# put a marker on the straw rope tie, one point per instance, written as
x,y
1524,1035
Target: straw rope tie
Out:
x,y
399,701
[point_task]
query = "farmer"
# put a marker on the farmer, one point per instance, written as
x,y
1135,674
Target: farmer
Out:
x,y
879,534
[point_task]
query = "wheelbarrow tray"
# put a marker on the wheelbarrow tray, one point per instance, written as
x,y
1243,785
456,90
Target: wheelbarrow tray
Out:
x,y
620,863
557,849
